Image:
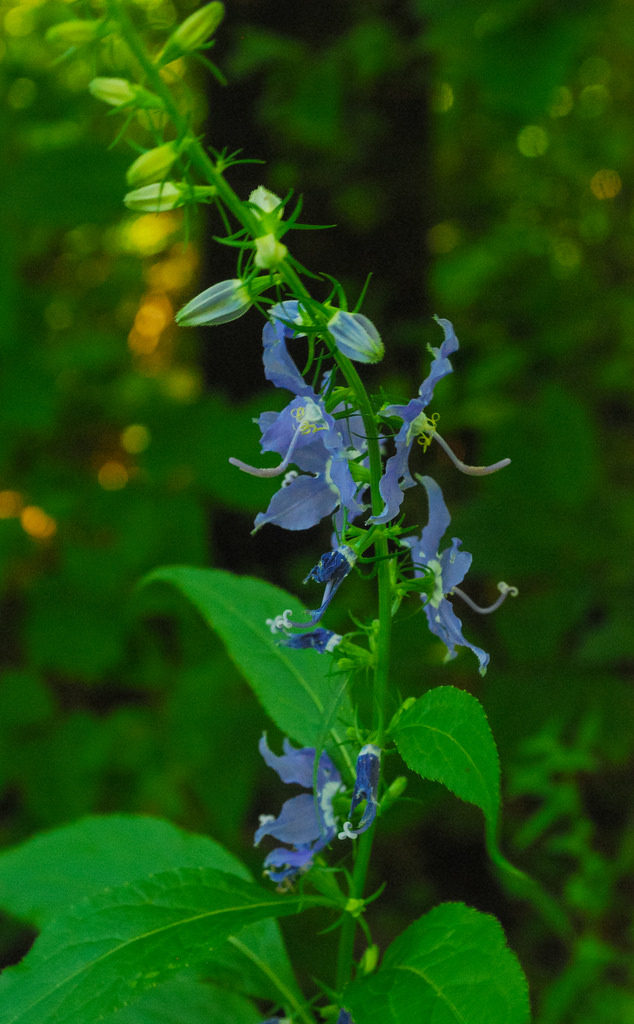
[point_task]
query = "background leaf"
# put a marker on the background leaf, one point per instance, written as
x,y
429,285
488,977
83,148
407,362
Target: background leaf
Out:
x,y
451,966
296,688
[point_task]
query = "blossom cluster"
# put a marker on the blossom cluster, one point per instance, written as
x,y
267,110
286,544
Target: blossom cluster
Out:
x,y
322,442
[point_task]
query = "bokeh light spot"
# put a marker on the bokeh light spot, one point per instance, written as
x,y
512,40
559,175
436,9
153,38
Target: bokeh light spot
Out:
x,y
532,141
135,438
113,475
37,523
606,183
593,100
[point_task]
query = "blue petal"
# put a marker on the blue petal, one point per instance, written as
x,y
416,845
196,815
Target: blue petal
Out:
x,y
437,523
321,640
445,624
366,785
289,862
279,366
300,505
296,824
294,765
441,366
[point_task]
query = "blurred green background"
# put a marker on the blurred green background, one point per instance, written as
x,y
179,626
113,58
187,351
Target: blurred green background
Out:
x,y
477,158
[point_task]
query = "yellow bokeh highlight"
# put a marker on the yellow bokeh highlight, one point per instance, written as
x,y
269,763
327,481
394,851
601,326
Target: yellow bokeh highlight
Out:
x,y
532,141
606,183
113,475
37,523
135,438
152,317
148,235
19,21
11,504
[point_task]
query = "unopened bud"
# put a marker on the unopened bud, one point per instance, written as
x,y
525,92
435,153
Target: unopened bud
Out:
x,y
369,960
356,337
265,200
166,195
269,252
153,165
118,92
74,32
219,304
193,33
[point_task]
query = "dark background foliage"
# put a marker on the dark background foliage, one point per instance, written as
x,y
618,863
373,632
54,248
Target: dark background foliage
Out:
x,y
477,160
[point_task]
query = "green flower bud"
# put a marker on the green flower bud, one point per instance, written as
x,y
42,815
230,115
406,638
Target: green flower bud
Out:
x,y
153,165
193,33
74,32
265,201
118,92
369,960
166,195
269,252
219,304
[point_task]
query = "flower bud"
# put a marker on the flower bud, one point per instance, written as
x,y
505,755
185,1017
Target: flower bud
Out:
x,y
166,195
193,33
219,304
74,32
356,337
118,92
369,960
269,252
153,165
265,200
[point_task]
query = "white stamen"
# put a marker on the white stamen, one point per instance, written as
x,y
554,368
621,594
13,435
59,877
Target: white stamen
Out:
x,y
504,589
274,470
280,622
290,476
463,467
347,832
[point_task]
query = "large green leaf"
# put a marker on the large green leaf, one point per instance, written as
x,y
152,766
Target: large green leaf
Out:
x,y
296,688
445,736
42,877
185,998
452,966
103,953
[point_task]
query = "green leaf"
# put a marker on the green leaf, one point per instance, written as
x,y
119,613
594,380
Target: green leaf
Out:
x,y
451,966
42,877
445,736
296,688
185,998
103,953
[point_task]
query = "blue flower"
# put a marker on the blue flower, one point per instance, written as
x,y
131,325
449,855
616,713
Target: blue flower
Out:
x,y
397,476
344,1017
365,788
449,568
331,569
322,640
306,822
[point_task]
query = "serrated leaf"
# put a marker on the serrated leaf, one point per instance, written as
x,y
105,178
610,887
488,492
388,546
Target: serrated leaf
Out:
x,y
451,966
103,953
296,688
445,736
45,875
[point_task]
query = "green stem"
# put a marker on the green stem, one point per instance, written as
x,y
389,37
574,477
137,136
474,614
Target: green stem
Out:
x,y
207,169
